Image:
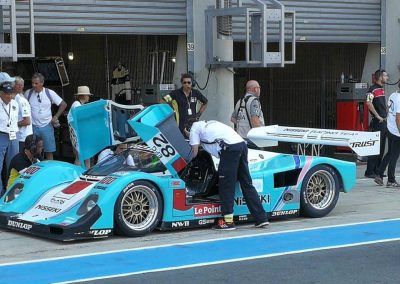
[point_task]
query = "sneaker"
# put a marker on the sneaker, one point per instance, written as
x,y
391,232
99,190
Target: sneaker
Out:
x,y
261,224
393,184
378,180
224,226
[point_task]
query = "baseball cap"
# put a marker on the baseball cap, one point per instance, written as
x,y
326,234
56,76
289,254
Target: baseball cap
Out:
x,y
4,77
7,87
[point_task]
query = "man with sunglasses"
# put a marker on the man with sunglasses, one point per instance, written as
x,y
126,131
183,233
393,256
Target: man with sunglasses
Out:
x,y
43,121
8,123
184,102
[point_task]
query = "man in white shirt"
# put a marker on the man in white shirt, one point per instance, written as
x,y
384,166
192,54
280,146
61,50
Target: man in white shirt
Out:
x,y
392,155
24,114
43,122
223,142
8,123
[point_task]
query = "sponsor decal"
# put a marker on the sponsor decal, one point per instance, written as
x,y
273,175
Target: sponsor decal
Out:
x,y
120,174
31,170
100,187
175,184
48,208
57,200
284,212
19,225
240,201
203,222
363,144
107,180
243,218
180,224
207,210
100,232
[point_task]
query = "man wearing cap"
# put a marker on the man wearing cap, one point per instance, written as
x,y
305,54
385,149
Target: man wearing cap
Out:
x,y
43,122
8,123
24,113
82,96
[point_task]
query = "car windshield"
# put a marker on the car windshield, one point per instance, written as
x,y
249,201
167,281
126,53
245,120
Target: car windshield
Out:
x,y
132,159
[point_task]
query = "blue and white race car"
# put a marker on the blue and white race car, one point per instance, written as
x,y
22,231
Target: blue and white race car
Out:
x,y
163,188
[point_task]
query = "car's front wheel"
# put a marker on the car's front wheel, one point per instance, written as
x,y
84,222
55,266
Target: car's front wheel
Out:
x,y
138,209
319,191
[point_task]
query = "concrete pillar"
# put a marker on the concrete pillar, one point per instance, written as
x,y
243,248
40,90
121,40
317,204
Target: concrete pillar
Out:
x,y
219,91
372,62
391,36
181,61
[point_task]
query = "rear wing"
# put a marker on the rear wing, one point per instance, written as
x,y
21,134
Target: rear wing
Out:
x,y
362,143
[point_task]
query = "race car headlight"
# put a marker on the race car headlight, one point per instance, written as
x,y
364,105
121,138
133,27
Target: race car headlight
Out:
x,y
88,204
14,192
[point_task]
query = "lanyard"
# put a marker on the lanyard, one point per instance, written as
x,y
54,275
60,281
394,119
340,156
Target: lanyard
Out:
x,y
188,98
8,113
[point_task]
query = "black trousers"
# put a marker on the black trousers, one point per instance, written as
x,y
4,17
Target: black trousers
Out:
x,y
391,157
233,167
374,162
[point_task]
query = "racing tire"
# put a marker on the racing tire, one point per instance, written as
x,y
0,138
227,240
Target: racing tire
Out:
x,y
319,191
138,209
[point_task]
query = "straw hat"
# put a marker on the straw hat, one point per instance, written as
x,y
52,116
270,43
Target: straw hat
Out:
x,y
83,91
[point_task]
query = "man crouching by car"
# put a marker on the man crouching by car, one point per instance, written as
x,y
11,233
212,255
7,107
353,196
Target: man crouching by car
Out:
x,y
223,142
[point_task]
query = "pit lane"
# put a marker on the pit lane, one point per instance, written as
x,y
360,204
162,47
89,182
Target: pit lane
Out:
x,y
366,202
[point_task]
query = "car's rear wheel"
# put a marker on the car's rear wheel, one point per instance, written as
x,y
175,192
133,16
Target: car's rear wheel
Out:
x,y
138,209
319,191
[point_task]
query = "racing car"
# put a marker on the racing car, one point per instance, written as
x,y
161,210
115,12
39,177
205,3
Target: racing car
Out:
x,y
164,188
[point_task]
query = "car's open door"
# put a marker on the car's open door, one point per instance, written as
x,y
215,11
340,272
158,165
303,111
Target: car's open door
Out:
x,y
100,124
158,129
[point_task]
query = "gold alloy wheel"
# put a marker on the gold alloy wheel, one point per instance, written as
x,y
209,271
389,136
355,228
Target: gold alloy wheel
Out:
x,y
139,207
320,190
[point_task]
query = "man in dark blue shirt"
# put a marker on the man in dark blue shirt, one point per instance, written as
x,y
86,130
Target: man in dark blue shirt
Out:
x,y
184,102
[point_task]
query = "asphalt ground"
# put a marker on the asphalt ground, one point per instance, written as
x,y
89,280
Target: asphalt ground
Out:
x,y
366,202
376,263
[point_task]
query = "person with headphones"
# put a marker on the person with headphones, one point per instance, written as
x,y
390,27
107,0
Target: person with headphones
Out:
x,y
186,99
32,153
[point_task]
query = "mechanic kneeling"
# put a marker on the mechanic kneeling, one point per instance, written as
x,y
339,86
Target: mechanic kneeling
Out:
x,y
223,142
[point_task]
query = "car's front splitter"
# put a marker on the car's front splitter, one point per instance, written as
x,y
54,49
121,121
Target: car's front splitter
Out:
x,y
79,230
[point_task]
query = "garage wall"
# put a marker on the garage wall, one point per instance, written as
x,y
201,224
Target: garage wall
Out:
x,y
166,17
317,20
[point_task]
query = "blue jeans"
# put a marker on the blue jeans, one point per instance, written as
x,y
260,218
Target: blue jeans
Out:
x,y
8,149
